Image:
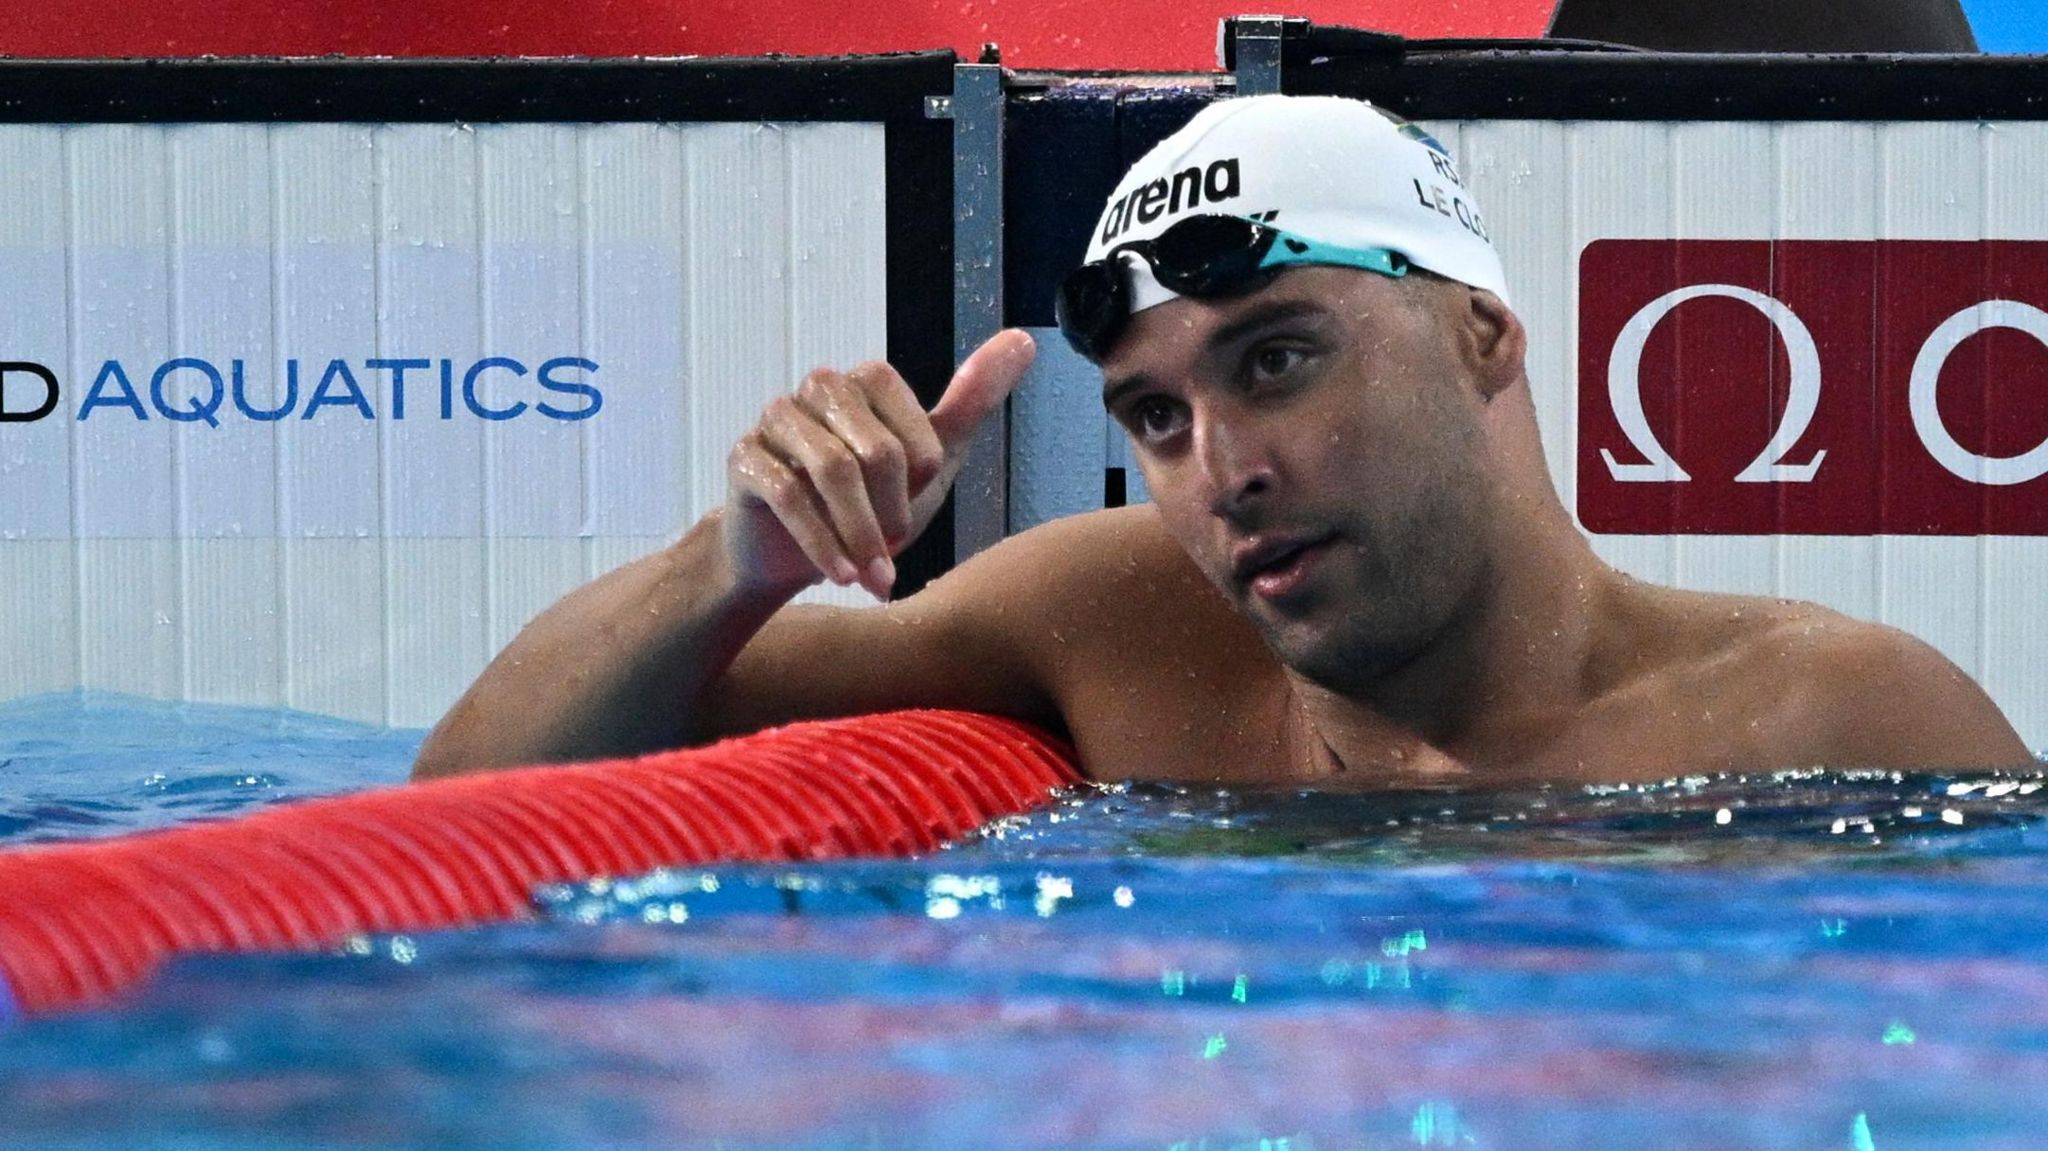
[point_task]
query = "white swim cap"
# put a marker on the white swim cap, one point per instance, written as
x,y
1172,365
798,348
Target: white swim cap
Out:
x,y
1327,168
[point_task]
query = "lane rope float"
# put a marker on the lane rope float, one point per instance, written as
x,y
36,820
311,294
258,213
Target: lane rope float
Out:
x,y
80,922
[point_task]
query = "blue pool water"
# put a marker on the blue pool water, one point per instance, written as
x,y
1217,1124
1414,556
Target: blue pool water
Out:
x,y
87,765
1806,961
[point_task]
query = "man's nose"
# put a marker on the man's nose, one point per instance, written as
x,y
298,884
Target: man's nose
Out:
x,y
1237,466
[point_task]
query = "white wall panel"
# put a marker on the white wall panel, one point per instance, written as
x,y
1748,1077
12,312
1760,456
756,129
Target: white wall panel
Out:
x,y
1931,187
365,556
233,647
741,190
334,592
1058,435
1724,187
2015,569
1827,189
1526,161
39,586
635,324
736,199
129,615
836,245
324,279
431,290
39,648
531,297
125,478
1621,179
221,312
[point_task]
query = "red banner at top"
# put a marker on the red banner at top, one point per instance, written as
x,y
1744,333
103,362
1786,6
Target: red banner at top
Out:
x,y
1158,35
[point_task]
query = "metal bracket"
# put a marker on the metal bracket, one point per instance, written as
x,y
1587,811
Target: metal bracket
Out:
x,y
981,494
1251,47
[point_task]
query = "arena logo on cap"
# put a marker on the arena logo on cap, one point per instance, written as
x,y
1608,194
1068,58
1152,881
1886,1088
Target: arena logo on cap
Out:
x,y
1813,387
1166,196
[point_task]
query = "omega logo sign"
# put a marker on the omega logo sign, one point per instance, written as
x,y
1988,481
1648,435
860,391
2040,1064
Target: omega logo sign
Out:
x,y
1813,387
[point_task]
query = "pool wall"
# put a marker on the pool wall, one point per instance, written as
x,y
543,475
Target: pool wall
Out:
x,y
342,404
586,278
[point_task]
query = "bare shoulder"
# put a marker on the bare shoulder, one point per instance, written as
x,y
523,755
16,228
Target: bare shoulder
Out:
x,y
1045,625
1861,694
1148,668
1759,681
1089,582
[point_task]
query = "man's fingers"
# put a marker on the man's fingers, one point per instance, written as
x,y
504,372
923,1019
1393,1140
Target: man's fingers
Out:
x,y
851,465
842,405
892,401
982,383
835,472
760,472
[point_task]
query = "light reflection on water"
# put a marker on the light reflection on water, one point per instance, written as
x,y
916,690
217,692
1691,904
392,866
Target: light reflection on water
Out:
x,y
1802,961
1786,817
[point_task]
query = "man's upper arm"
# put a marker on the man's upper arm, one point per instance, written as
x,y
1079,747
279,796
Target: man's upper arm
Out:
x,y
1897,702
972,639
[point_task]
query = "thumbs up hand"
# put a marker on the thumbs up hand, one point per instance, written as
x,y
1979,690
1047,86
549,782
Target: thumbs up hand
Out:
x,y
841,476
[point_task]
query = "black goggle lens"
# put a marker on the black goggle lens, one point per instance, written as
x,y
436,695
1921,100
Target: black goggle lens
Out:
x,y
1092,306
1208,255
1199,256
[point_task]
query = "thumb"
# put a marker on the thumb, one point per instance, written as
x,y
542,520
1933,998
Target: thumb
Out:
x,y
980,385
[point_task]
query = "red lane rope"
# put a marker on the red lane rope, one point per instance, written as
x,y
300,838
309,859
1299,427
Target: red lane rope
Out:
x,y
79,922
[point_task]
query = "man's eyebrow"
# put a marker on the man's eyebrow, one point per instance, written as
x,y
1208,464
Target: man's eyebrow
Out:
x,y
1113,390
1262,316
1277,312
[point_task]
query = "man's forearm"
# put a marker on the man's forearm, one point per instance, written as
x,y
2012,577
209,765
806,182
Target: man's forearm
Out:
x,y
614,668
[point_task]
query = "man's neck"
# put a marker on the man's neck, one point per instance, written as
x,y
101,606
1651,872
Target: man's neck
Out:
x,y
1505,674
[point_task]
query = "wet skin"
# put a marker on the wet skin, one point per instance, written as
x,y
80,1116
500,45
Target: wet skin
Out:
x,y
1355,573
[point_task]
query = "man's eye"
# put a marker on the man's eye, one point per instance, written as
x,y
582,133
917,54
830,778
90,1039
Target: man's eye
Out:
x,y
1273,362
1154,418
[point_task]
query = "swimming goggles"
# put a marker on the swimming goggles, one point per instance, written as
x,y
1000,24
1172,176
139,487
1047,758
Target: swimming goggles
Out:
x,y
1203,256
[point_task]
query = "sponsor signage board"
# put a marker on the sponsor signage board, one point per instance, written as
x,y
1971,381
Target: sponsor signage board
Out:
x,y
1813,387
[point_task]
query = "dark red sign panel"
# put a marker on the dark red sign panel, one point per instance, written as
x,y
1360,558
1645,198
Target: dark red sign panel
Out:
x,y
1813,387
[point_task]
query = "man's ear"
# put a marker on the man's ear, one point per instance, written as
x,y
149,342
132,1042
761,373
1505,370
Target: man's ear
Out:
x,y
1493,342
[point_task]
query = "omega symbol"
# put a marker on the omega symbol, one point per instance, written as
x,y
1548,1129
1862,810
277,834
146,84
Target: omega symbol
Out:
x,y
1625,392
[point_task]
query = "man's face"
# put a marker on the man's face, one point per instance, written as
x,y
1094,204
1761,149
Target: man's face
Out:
x,y
1315,447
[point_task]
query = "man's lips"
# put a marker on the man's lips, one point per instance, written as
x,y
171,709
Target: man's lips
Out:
x,y
1262,554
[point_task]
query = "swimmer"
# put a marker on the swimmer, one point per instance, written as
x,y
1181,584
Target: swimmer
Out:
x,y
1355,572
